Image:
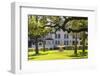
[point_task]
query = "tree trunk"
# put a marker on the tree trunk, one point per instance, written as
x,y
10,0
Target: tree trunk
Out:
x,y
44,45
75,52
36,46
83,43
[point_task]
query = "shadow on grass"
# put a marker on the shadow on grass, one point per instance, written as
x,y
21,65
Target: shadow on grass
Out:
x,y
37,54
31,58
80,55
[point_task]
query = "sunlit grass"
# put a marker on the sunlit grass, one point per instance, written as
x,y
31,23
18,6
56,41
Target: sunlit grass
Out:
x,y
55,54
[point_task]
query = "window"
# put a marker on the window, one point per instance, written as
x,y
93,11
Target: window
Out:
x,y
66,36
57,36
66,43
57,42
52,42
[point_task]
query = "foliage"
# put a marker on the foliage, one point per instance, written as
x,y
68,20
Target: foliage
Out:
x,y
78,26
36,27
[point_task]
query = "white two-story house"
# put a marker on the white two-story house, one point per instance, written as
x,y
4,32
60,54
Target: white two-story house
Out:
x,y
60,38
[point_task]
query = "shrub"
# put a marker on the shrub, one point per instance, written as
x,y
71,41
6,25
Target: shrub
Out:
x,y
68,47
72,47
42,49
56,48
81,47
30,49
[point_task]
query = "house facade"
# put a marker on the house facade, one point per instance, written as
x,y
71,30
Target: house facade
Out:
x,y
55,40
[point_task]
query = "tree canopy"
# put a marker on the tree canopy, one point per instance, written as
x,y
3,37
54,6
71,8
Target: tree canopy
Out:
x,y
36,26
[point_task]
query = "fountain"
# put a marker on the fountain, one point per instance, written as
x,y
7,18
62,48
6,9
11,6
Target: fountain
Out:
x,y
61,46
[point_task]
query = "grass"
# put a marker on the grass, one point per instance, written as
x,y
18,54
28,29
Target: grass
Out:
x,y
54,55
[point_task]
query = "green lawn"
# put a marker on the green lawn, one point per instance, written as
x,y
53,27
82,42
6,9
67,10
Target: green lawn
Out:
x,y
55,54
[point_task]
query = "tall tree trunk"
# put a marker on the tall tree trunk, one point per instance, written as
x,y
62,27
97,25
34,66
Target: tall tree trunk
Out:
x,y
75,52
44,45
36,46
83,43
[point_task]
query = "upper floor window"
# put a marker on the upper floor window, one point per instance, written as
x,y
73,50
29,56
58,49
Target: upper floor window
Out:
x,y
66,36
57,36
